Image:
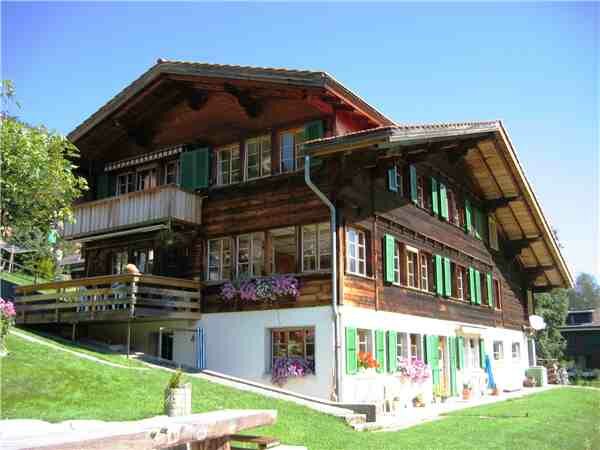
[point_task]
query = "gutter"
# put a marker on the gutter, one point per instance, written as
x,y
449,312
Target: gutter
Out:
x,y
334,276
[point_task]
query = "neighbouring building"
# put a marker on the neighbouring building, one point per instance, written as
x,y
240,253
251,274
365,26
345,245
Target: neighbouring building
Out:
x,y
582,332
277,218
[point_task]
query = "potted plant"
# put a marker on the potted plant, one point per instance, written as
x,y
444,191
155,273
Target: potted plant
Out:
x,y
418,401
366,362
178,396
466,393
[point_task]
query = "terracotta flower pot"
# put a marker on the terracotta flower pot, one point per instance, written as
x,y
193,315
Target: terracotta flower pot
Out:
x,y
466,394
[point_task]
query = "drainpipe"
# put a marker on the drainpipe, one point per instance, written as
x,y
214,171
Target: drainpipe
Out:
x,y
334,277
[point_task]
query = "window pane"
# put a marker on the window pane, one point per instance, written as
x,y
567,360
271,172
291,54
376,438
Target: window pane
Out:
x,y
324,246
309,247
287,152
283,243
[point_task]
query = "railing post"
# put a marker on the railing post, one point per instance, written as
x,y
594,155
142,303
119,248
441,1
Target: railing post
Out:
x,y
134,290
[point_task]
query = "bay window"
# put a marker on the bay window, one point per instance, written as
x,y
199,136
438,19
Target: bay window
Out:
x,y
316,247
228,165
356,252
258,157
250,255
291,155
219,259
294,343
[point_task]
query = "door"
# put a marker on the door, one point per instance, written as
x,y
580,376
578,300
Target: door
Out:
x,y
166,351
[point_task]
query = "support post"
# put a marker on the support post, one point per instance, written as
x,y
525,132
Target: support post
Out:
x,y
159,349
128,338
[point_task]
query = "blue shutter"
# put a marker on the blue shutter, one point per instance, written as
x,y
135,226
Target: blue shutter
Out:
x,y
393,179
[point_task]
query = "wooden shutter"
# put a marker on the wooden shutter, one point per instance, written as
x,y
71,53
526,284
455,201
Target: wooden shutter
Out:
x,y
460,345
105,185
392,345
351,353
389,245
380,350
490,289
314,130
482,353
435,196
195,168
468,216
392,174
478,286
452,354
432,344
472,295
439,275
447,278
443,201
413,183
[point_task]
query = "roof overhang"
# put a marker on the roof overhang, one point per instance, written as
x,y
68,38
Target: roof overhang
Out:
x,y
178,71
490,157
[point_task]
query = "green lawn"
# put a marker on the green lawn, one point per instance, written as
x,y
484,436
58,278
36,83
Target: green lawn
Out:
x,y
43,383
19,278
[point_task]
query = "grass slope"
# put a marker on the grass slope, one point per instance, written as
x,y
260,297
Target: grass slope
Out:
x,y
44,383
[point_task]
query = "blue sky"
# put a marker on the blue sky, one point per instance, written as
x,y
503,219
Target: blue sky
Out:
x,y
535,66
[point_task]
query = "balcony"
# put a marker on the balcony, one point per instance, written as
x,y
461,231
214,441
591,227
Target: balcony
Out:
x,y
108,298
159,204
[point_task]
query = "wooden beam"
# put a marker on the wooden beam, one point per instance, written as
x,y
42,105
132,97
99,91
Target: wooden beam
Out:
x,y
251,105
544,289
514,248
501,202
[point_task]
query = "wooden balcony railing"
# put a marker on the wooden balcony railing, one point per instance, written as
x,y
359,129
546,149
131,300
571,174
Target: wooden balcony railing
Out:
x,y
108,298
151,205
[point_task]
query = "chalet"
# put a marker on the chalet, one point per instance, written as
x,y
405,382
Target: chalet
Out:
x,y
582,332
285,227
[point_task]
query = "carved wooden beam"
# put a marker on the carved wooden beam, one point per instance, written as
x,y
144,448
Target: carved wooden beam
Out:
x,y
543,289
456,155
532,273
494,204
251,105
514,248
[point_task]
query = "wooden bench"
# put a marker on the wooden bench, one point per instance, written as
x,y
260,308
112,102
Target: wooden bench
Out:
x,y
259,442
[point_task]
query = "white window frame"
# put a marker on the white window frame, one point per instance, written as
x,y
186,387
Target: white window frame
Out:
x,y
263,149
305,342
133,183
423,276
397,262
172,163
138,177
357,250
402,345
411,263
418,350
399,181
473,360
493,232
318,253
297,154
221,258
517,354
367,341
460,282
231,149
498,353
252,258
421,192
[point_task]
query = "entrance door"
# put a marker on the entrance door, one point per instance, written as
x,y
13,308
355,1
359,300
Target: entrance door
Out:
x,y
166,351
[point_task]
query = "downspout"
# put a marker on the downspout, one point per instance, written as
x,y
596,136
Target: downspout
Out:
x,y
334,277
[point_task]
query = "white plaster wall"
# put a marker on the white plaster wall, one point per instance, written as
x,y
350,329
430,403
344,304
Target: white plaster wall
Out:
x,y
508,373
238,344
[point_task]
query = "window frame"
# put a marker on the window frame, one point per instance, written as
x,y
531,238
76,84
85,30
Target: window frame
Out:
x,y
139,177
499,352
221,258
408,250
358,246
129,173
497,287
262,151
231,148
397,263
421,192
306,343
459,274
252,258
317,234
423,276
516,355
172,163
369,342
297,158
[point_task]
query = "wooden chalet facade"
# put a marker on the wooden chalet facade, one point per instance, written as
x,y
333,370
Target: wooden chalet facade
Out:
x,y
217,173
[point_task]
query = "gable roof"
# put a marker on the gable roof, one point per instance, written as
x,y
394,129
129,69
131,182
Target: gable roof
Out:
x,y
492,161
301,78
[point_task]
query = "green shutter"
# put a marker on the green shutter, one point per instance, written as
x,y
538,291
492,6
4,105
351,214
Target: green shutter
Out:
x,y
195,169
435,196
443,201
103,188
472,285
478,286
468,216
484,232
351,353
392,343
447,278
390,247
392,179
490,289
482,353
478,219
439,275
432,354
413,183
460,344
380,350
313,130
452,354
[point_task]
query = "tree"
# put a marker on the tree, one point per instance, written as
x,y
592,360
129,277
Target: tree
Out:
x,y
586,294
553,307
37,180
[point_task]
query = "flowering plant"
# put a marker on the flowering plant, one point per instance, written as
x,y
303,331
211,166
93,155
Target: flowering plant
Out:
x,y
7,312
413,368
284,368
366,361
266,288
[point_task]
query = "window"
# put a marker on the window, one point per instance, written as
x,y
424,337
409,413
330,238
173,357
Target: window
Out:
x,y
423,269
493,232
365,341
497,296
283,250
144,259
402,345
516,350
258,157
219,259
416,346
250,255
397,262
421,192
125,183
172,172
292,156
119,262
146,178
412,267
356,252
472,353
316,247
294,343
453,210
498,350
459,275
228,165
